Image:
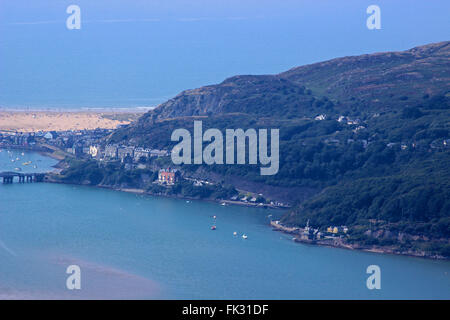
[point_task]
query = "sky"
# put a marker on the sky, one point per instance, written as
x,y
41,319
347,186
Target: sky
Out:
x,y
132,53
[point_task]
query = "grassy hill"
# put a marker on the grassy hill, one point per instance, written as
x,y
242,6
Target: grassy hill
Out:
x,y
378,162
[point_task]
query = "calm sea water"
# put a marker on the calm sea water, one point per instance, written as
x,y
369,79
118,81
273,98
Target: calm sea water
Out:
x,y
136,246
14,160
132,53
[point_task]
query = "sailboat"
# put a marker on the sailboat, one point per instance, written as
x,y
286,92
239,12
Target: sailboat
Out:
x,y
214,226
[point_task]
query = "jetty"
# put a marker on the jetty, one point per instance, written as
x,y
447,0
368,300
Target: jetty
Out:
x,y
8,177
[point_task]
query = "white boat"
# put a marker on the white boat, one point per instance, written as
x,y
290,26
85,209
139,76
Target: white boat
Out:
x,y
235,233
244,236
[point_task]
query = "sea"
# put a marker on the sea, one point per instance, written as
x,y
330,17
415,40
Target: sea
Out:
x,y
137,54
134,246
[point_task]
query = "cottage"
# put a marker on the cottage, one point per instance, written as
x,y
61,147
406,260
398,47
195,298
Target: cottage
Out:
x,y
93,151
48,136
140,154
332,230
111,151
320,117
123,152
158,153
168,176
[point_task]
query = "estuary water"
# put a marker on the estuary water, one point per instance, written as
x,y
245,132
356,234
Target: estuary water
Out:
x,y
137,246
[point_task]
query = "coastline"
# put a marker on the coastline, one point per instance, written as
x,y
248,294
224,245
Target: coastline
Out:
x,y
54,154
340,244
77,109
334,243
144,192
32,121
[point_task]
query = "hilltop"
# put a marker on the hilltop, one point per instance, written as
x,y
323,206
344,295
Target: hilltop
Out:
x,y
380,81
364,142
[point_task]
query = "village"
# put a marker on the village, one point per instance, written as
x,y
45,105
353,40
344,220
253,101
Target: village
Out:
x,y
88,145
333,235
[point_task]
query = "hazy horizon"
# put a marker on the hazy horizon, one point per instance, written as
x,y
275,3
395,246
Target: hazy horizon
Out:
x,y
141,53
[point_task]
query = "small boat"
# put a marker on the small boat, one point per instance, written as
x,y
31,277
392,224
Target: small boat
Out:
x,y
244,236
17,169
235,233
23,154
223,204
213,228
214,217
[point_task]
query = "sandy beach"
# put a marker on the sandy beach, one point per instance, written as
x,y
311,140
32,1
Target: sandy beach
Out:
x,y
33,121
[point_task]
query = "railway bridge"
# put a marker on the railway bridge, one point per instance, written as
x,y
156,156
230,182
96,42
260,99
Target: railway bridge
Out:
x,y
8,177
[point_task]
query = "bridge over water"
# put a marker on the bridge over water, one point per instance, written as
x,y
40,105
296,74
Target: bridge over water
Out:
x,y
8,177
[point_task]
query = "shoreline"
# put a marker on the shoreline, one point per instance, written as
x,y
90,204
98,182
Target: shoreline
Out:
x,y
331,243
339,244
144,192
275,227
78,109
33,121
48,153
288,231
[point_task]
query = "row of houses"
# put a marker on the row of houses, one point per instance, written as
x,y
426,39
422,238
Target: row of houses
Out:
x,y
309,233
116,152
341,119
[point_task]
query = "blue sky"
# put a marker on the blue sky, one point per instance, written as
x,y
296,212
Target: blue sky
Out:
x,y
141,52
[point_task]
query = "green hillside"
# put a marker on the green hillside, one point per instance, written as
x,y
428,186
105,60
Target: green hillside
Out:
x,y
379,160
